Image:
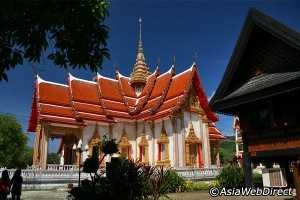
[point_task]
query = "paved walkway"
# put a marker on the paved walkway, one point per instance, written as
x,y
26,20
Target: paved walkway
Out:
x,y
61,195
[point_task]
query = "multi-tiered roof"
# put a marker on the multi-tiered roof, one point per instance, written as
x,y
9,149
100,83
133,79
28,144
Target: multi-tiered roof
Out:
x,y
109,100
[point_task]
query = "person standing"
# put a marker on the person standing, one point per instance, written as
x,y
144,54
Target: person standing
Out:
x,y
4,185
16,185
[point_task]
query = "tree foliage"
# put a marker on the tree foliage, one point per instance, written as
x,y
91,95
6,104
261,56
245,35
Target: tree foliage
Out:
x,y
227,151
12,142
53,158
69,33
124,179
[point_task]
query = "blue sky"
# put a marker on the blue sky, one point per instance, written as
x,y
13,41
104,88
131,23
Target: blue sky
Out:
x,y
182,29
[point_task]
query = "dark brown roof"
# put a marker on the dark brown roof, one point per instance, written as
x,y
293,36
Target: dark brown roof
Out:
x,y
263,81
266,44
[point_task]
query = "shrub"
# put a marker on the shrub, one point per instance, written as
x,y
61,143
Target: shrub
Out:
x,y
175,182
191,186
257,180
231,176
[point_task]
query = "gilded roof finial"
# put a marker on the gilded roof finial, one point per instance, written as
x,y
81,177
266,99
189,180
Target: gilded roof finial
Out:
x,y
140,70
140,22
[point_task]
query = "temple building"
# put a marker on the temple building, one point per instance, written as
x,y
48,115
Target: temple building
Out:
x,y
261,86
156,118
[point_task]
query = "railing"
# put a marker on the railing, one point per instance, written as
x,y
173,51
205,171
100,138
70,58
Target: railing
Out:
x,y
198,174
57,176
47,179
62,167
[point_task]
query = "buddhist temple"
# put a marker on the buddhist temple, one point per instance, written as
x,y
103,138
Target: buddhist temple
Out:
x,y
261,86
156,118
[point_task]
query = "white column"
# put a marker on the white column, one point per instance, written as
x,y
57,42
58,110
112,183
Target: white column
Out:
x,y
175,139
236,142
62,160
170,132
44,148
157,131
149,137
206,145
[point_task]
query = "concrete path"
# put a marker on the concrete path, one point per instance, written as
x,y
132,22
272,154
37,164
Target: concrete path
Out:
x,y
61,195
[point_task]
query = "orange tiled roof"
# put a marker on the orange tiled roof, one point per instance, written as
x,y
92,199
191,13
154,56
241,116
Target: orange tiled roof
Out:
x,y
214,133
107,99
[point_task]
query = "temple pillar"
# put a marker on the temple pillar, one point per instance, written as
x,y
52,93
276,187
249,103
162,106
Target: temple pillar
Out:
x,y
43,148
170,134
62,160
205,144
180,140
36,146
175,141
217,156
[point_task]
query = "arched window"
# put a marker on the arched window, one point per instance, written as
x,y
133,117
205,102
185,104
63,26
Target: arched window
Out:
x,y
163,148
144,152
193,149
124,146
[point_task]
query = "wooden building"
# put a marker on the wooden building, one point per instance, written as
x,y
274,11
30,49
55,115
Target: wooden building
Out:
x,y
261,85
156,118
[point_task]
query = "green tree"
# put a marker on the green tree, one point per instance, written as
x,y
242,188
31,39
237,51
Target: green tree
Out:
x,y
25,158
68,33
12,142
227,150
53,158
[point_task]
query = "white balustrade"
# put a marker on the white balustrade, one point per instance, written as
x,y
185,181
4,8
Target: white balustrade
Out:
x,y
198,173
33,177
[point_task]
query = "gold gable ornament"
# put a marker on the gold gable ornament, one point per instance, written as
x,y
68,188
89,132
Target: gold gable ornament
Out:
x,y
192,138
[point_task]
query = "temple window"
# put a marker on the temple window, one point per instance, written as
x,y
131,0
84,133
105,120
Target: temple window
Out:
x,y
124,146
163,148
193,149
144,152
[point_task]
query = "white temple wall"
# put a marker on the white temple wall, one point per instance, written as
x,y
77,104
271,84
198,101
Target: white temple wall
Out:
x,y
87,134
176,128
117,131
130,129
149,137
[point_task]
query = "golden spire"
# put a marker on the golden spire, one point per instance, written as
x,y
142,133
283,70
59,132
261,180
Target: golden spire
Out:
x,y
140,70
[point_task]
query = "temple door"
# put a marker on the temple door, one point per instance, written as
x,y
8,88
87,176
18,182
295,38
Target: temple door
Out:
x,y
193,155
